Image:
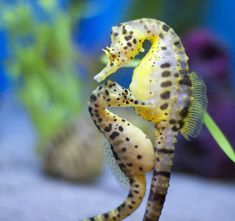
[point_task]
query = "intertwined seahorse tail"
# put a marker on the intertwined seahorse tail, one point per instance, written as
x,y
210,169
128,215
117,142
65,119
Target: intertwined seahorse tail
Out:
x,y
133,200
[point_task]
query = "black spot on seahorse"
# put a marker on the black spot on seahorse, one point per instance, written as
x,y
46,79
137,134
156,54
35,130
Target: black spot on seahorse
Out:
x,y
129,44
145,27
129,164
166,73
178,44
166,84
165,65
114,135
164,106
130,195
185,81
130,206
110,84
172,121
123,149
165,151
107,92
165,95
120,128
128,37
184,112
163,173
159,197
124,31
175,128
122,166
93,98
165,27
161,35
131,181
115,34
176,75
106,215
141,168
181,124
109,128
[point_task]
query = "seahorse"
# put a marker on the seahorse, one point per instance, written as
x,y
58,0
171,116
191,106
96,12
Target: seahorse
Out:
x,y
162,78
131,147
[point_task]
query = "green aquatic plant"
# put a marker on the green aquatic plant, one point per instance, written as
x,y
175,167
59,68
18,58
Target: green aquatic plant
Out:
x,y
43,63
219,137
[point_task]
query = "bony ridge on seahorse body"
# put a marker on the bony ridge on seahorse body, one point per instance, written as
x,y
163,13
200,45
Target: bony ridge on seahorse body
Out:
x,y
178,98
131,148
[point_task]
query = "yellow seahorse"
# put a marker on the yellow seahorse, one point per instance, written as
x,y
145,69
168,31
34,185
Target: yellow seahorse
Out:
x,y
130,147
177,98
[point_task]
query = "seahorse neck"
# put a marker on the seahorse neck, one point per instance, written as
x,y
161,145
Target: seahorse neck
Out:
x,y
144,70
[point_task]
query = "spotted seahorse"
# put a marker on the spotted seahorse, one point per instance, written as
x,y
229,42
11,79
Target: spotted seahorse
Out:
x,y
131,148
162,78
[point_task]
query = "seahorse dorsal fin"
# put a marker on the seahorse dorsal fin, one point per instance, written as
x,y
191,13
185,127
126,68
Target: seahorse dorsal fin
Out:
x,y
194,120
112,162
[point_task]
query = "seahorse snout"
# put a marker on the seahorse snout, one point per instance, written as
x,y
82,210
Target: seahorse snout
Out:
x,y
116,60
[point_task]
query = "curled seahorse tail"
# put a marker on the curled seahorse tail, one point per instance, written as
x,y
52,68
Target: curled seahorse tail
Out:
x,y
133,200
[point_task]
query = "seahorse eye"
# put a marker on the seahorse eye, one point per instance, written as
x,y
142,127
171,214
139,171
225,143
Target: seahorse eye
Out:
x,y
113,56
114,31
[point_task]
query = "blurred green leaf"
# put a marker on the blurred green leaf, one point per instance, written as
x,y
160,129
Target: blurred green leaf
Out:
x,y
43,59
219,137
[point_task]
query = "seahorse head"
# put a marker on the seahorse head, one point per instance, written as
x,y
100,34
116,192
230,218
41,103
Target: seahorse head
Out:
x,y
126,43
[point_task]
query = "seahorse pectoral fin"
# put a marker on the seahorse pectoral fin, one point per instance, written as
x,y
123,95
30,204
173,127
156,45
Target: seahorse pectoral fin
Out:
x,y
194,120
112,162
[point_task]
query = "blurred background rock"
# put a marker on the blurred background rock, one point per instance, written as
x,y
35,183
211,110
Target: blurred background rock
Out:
x,y
49,52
